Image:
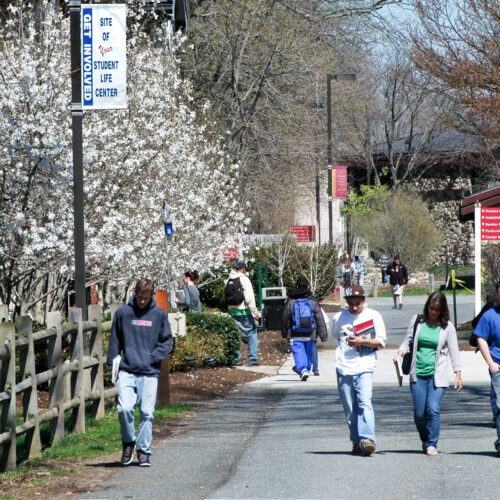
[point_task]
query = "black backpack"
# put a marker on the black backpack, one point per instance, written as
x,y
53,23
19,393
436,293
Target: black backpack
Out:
x,y
233,292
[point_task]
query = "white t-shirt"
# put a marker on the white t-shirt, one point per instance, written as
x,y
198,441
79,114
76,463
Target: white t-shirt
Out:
x,y
349,360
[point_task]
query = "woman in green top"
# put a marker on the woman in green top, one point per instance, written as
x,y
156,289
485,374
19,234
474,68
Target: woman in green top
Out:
x,y
435,338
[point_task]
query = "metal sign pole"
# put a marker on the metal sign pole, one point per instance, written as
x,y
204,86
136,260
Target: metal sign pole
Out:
x,y
77,119
168,232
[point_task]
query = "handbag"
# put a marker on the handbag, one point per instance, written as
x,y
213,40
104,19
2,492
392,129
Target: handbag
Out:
x,y
406,364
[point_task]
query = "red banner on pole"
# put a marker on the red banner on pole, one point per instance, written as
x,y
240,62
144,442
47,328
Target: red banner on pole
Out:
x,y
339,182
304,234
490,224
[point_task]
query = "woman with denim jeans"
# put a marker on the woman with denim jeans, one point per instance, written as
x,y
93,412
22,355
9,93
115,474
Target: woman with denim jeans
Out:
x,y
435,338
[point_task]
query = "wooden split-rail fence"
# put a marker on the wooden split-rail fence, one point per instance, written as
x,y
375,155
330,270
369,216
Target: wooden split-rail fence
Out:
x,y
73,384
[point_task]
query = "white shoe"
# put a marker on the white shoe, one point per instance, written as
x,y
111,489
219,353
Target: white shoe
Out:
x,y
304,375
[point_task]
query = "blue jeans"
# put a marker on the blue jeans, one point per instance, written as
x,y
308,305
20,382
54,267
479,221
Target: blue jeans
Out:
x,y
356,396
361,278
495,383
384,277
138,389
248,329
426,409
493,401
302,354
315,357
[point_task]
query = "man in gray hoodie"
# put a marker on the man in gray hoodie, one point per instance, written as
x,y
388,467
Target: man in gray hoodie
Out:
x,y
141,335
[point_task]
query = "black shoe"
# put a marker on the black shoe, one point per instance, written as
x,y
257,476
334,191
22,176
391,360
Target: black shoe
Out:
x,y
316,374
143,459
356,449
128,453
254,364
294,369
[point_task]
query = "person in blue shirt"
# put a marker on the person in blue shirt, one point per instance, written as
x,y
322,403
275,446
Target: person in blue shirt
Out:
x,y
488,341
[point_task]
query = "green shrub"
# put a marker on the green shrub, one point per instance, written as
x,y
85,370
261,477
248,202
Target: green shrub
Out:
x,y
197,344
208,334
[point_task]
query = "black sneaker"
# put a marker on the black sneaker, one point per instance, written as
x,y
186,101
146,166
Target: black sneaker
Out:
x,y
143,459
128,453
294,369
356,449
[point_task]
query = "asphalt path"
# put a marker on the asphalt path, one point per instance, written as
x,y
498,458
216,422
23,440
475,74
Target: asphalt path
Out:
x,y
397,320
280,438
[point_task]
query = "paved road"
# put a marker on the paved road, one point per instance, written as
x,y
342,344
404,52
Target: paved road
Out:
x,y
279,438
396,321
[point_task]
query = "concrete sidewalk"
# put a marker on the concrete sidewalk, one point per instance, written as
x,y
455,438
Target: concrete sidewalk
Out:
x,y
474,370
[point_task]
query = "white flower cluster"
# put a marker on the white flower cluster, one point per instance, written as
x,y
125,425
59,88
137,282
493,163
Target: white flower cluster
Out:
x,y
159,149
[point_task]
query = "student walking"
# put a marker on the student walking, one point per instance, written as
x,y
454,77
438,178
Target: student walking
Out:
x,y
434,337
141,335
302,323
360,332
241,302
398,278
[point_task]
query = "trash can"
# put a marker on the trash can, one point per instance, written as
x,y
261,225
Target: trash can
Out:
x,y
273,300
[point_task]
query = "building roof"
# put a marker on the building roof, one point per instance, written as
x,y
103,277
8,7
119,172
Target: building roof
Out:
x,y
447,141
488,198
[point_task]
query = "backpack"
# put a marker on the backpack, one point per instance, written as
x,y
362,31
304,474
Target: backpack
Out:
x,y
302,317
233,292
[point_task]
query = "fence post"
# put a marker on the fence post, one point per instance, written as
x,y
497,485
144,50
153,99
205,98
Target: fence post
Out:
x,y
431,283
8,458
24,327
375,285
97,377
77,387
4,313
56,387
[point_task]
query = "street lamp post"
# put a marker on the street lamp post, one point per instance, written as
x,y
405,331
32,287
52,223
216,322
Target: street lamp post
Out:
x,y
167,222
329,78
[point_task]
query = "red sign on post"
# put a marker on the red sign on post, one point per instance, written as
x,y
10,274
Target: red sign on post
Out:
x,y
490,224
304,234
339,182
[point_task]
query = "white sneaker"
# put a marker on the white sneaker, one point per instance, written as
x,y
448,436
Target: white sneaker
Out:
x,y
304,375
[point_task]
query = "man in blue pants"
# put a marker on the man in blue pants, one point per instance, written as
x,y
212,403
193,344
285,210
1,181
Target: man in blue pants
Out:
x,y
302,323
141,335
488,341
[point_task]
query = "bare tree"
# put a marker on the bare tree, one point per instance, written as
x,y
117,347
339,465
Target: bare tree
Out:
x,y
262,65
458,44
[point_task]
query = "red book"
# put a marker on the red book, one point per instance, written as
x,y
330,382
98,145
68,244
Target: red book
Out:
x,y
367,331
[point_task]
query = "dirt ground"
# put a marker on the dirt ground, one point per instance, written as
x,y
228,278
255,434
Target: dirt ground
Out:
x,y
63,478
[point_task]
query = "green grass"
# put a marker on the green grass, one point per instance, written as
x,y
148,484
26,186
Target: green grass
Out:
x,y
424,291
102,437
459,270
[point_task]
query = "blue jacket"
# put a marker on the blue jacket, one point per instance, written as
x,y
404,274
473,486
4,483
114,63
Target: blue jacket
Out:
x,y
142,337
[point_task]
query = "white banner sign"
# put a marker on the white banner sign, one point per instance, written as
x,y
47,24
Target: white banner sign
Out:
x,y
104,56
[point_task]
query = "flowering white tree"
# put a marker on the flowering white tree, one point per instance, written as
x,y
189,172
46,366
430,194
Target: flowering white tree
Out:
x,y
133,159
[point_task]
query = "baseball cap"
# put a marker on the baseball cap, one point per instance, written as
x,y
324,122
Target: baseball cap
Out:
x,y
241,265
354,291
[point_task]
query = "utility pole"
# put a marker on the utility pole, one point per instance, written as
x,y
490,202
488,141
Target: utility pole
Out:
x,y
329,78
